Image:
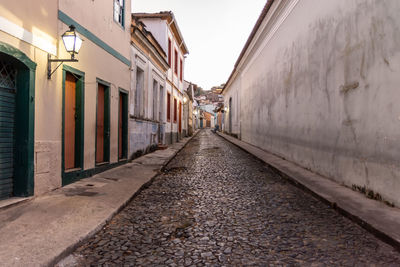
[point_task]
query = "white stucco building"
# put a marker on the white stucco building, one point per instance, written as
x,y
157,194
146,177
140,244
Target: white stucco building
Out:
x,y
164,28
317,83
147,116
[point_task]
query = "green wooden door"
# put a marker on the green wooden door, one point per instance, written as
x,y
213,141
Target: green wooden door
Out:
x,y
7,128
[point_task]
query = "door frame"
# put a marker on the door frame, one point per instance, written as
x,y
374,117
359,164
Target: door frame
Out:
x,y
25,121
125,118
107,131
71,176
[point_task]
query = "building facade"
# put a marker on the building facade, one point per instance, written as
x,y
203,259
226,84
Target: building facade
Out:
x,y
55,131
317,83
164,28
148,91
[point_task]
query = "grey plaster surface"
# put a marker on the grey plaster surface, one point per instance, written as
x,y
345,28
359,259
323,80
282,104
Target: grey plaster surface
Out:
x,y
41,231
376,216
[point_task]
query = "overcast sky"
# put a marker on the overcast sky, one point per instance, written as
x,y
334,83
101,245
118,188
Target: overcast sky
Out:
x,y
215,32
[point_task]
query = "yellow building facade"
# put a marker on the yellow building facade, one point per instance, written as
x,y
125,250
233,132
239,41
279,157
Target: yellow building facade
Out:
x,y
73,125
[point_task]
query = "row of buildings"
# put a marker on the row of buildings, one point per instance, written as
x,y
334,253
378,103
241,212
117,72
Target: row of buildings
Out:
x,y
210,106
317,83
68,113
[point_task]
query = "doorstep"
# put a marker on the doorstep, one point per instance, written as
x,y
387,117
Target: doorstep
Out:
x,y
9,202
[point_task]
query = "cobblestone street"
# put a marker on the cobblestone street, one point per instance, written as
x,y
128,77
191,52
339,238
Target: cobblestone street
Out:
x,y
217,205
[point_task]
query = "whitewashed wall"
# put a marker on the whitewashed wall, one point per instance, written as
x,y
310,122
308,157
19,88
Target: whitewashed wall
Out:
x,y
319,86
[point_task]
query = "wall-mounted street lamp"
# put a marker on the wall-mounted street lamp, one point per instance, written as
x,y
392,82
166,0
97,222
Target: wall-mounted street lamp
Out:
x,y
72,42
184,100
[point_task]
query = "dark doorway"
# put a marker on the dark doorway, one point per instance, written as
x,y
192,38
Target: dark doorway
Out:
x,y
17,91
8,91
123,126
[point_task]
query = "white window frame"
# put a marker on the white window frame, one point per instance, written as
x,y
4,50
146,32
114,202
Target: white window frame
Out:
x,y
119,9
139,93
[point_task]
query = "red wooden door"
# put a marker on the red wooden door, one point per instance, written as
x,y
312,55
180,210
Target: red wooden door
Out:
x,y
69,120
100,124
120,126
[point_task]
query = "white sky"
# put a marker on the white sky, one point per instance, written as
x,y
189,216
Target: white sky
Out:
x,y
215,32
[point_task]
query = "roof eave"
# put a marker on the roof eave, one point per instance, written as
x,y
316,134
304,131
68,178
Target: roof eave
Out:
x,y
263,14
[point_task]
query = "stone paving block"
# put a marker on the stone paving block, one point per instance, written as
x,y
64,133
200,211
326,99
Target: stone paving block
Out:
x,y
216,205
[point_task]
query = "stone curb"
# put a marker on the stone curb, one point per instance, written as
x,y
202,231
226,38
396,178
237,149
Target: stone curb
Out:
x,y
67,251
306,180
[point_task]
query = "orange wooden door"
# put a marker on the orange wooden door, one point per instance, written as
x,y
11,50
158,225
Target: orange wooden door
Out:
x,y
70,120
180,117
100,124
120,126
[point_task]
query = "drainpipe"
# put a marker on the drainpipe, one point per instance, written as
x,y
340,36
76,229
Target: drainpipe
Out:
x,y
172,115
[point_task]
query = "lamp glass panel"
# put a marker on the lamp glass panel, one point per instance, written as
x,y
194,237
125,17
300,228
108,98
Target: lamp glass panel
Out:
x,y
69,41
78,44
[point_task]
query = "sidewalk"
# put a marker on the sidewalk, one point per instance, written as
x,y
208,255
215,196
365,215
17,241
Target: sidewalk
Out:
x,y
47,228
378,218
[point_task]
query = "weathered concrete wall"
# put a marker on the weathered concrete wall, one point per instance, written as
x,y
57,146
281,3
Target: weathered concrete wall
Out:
x,y
232,114
323,90
143,135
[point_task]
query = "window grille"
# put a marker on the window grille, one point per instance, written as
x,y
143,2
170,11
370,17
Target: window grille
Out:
x,y
8,75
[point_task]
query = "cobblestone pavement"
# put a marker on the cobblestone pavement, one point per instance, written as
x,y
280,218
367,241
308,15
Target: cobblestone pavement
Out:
x,y
217,205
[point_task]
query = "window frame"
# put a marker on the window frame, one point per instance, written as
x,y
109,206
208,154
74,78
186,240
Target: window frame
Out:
x,y
176,62
181,69
122,13
156,88
175,109
139,101
168,106
169,51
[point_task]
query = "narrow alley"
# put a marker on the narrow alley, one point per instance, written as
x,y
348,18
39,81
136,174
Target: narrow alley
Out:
x,y
217,205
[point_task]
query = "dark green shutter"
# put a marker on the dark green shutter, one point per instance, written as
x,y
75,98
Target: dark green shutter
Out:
x,y
7,127
7,143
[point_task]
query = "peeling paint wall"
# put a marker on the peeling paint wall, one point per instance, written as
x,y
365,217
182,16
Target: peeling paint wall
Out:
x,y
143,135
323,90
232,114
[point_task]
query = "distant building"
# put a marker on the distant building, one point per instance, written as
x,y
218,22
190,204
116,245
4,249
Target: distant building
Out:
x,y
191,106
209,119
210,101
